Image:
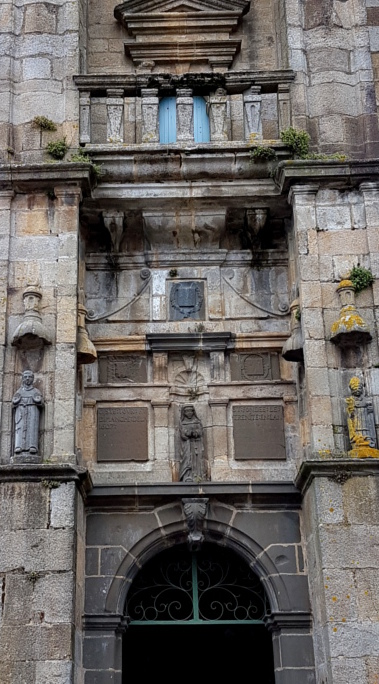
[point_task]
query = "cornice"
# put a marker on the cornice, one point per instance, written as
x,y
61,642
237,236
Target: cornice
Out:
x,y
337,469
23,176
325,172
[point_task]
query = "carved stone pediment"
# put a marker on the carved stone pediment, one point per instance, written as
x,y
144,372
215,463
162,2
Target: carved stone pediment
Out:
x,y
161,6
180,23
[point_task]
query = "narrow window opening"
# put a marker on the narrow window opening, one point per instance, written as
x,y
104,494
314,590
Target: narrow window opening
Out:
x,y
167,120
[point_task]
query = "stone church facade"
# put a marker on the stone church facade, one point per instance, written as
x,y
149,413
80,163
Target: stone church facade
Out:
x,y
185,363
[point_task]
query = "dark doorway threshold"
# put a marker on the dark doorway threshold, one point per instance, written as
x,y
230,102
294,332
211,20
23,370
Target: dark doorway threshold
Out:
x,y
179,652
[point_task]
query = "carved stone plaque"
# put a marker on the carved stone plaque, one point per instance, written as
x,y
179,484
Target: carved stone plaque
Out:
x,y
187,300
258,432
254,367
122,368
122,434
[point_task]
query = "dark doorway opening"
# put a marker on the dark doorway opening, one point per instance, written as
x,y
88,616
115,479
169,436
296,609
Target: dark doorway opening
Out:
x,y
172,653
197,615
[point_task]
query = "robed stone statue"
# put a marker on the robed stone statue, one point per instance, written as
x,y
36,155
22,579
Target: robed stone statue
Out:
x,y
360,421
27,403
192,465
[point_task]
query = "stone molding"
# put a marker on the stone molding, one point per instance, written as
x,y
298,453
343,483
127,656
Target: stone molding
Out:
x,y
277,621
38,472
345,174
182,22
190,341
261,495
71,176
234,81
337,469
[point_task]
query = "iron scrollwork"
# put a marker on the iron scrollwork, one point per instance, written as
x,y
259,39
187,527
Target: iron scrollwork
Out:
x,y
197,588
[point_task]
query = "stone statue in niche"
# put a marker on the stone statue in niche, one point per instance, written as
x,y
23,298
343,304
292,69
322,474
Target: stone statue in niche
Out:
x,y
27,403
360,422
192,463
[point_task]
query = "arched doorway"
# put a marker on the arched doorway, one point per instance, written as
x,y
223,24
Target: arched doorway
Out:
x,y
197,614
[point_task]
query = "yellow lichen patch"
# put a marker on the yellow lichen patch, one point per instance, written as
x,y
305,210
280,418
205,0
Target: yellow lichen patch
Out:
x,y
331,510
349,319
334,598
334,629
364,452
343,620
345,283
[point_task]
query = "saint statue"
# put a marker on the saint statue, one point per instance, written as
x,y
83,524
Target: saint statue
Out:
x,y
27,403
360,422
192,466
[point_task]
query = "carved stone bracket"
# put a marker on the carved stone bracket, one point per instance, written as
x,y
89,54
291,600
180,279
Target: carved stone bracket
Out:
x,y
195,511
31,332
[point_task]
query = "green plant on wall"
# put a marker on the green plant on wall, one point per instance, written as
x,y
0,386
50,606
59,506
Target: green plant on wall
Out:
x,y
44,123
261,153
297,140
82,157
57,148
361,278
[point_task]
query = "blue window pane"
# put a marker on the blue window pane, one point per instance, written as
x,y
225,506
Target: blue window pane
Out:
x,y
167,120
200,120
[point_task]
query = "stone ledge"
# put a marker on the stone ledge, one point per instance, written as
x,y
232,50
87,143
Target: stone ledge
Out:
x,y
24,176
218,341
253,495
324,172
234,81
37,472
339,470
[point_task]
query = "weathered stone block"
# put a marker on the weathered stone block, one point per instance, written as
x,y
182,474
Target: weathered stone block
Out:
x,y
62,506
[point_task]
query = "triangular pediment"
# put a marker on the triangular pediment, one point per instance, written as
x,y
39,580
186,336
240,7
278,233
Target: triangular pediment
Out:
x,y
162,6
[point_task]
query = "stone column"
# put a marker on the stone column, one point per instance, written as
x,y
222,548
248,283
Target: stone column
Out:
x,y
41,543
184,116
6,197
67,225
115,115
318,432
293,648
252,104
218,106
284,106
219,465
85,117
150,110
161,439
102,650
160,362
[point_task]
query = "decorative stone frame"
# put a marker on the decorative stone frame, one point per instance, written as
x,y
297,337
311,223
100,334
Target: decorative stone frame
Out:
x,y
289,621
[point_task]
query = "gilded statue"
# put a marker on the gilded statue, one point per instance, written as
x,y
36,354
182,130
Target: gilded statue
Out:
x,y
361,422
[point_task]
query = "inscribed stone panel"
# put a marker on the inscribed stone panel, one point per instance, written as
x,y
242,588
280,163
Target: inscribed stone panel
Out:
x,y
258,432
122,434
120,368
254,367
